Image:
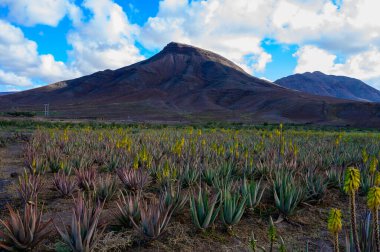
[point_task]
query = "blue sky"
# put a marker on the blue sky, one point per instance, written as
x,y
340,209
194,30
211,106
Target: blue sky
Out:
x,y
51,40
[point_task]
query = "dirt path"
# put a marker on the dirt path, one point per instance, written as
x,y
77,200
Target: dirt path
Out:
x,y
10,162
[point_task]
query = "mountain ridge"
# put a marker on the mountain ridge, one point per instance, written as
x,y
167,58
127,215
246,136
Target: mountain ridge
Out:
x,y
318,83
186,83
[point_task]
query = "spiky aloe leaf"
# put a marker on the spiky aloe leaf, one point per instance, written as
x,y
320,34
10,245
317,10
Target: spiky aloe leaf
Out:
x,y
23,232
203,209
253,191
233,206
84,231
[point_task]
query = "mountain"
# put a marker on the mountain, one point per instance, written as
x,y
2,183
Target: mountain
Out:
x,y
186,83
330,85
6,93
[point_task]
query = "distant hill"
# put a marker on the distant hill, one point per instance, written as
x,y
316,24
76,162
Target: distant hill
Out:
x,y
6,93
188,84
330,85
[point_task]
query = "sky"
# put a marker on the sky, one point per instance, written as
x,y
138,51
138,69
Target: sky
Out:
x,y
45,41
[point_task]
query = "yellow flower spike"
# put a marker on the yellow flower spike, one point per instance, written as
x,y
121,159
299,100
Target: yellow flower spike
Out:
x,y
246,154
166,170
377,178
203,142
373,198
351,180
334,222
365,156
136,162
373,165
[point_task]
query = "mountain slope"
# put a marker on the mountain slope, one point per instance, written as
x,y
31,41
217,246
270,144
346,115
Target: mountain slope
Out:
x,y
330,85
6,93
185,83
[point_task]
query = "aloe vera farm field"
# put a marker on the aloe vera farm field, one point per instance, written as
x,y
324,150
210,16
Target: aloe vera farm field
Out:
x,y
76,187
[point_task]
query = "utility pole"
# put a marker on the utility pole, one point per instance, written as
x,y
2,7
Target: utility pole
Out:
x,y
46,109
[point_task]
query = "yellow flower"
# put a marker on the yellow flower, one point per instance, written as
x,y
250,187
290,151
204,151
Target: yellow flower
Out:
x,y
373,198
334,222
377,178
365,156
246,153
203,142
351,180
166,170
373,165
136,162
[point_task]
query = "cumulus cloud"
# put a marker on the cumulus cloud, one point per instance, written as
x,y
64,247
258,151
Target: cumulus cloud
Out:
x,y
311,58
47,12
102,36
11,80
20,62
233,29
107,40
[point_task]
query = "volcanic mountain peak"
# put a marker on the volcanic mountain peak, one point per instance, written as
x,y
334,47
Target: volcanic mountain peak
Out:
x,y
189,50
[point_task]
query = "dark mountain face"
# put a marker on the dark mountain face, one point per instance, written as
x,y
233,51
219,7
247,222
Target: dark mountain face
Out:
x,y
6,93
188,84
330,85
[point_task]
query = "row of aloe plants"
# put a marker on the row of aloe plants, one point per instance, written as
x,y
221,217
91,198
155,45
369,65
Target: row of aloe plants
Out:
x,y
224,172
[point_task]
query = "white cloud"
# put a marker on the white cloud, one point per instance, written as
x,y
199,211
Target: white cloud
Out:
x,y
311,58
47,12
20,62
235,28
230,28
105,41
11,80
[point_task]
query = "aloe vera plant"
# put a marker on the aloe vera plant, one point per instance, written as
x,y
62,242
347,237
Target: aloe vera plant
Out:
x,y
86,178
29,186
208,175
173,195
23,232
287,193
189,176
272,233
232,208
63,184
135,180
83,233
351,186
106,188
334,177
128,208
203,208
316,186
367,236
366,182
253,191
154,218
